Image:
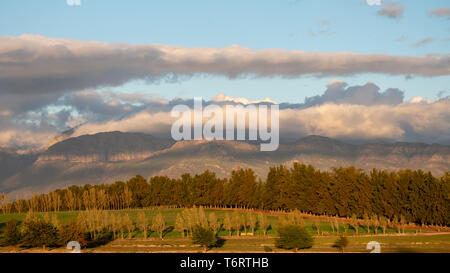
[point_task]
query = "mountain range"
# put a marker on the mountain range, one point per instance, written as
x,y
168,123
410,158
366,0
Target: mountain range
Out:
x,y
112,156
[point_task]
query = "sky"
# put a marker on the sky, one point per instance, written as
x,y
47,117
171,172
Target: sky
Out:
x,y
288,51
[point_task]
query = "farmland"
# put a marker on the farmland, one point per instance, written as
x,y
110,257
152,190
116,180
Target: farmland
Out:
x,y
411,239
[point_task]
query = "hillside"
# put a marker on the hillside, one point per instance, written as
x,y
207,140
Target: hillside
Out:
x,y
107,157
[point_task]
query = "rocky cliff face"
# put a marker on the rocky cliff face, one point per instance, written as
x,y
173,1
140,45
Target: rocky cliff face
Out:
x,y
106,147
108,157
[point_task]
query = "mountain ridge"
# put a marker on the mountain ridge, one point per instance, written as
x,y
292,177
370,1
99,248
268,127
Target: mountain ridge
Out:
x,y
110,156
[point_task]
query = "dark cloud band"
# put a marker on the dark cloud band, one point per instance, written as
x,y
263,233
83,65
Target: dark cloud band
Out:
x,y
31,63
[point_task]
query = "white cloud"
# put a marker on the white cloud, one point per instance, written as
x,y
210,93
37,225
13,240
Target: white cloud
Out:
x,y
419,119
221,97
373,2
335,82
419,99
416,120
404,122
152,123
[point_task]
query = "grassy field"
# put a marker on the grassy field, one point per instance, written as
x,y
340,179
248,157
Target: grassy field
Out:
x,y
170,216
411,241
390,243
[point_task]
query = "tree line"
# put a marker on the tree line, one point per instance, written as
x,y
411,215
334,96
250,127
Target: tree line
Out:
x,y
405,195
90,227
93,227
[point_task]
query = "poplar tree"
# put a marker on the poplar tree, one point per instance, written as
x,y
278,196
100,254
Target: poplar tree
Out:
x,y
332,226
227,223
354,223
143,223
375,223
383,223
214,223
236,222
263,223
337,226
251,220
367,222
129,225
244,223
159,225
402,223
115,224
316,225
180,224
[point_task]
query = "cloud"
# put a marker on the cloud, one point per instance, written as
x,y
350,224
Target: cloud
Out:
x,y
20,103
409,121
373,2
335,82
440,12
38,76
322,32
221,97
392,10
369,94
422,42
22,140
22,135
37,64
100,106
46,115
419,99
322,29
415,120
401,38
158,124
325,22
441,93
361,113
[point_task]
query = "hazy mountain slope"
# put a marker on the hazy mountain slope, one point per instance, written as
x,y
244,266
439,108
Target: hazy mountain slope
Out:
x,y
12,163
434,158
108,157
48,173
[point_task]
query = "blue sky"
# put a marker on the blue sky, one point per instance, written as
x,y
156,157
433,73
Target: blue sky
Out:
x,y
317,26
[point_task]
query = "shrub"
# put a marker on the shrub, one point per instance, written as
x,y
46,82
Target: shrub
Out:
x,y
267,249
204,237
101,238
38,233
341,243
73,232
11,234
293,237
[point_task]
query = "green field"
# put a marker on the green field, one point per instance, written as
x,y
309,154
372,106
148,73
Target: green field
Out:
x,y
393,243
170,216
411,241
